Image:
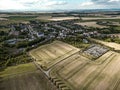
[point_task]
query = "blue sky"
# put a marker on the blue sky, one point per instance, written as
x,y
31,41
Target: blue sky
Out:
x,y
57,4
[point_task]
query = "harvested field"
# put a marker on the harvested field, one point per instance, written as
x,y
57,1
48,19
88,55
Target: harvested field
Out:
x,y
98,18
62,18
80,73
4,15
22,82
73,71
24,77
50,54
15,70
3,19
90,24
28,81
109,44
44,17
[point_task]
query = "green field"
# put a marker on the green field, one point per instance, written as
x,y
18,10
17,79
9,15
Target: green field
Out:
x,y
22,17
23,77
19,69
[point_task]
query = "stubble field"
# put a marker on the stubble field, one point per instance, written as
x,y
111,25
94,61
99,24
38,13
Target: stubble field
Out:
x,y
62,18
90,24
80,73
50,54
69,70
24,77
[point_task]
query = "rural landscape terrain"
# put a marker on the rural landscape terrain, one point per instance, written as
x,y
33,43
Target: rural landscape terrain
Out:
x,y
72,50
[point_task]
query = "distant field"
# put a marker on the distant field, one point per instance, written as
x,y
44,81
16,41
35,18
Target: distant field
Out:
x,y
62,18
90,24
45,17
98,18
3,19
109,44
3,15
4,29
79,73
48,55
27,18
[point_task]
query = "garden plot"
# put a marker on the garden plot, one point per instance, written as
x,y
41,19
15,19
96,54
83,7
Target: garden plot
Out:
x,y
96,50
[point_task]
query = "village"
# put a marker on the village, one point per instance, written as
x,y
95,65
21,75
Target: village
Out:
x,y
64,50
59,30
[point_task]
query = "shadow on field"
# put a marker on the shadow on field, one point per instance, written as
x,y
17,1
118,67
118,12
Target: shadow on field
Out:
x,y
1,81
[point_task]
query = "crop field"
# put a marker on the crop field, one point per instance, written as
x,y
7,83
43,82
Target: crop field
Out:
x,y
100,18
3,19
90,24
80,73
68,69
109,44
19,69
50,54
62,18
29,81
23,77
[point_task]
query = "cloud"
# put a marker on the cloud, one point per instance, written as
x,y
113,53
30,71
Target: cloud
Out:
x,y
114,1
57,4
106,2
10,4
100,4
87,3
54,3
30,4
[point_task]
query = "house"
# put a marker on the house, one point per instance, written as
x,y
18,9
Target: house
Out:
x,y
40,34
15,33
12,41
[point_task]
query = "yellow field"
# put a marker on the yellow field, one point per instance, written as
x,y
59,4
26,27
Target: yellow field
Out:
x,y
50,54
68,69
24,77
80,73
62,18
99,18
3,19
90,24
109,44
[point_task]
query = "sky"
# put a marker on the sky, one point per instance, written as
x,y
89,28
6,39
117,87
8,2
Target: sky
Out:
x,y
41,5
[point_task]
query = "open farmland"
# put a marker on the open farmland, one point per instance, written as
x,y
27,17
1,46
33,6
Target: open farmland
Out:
x,y
90,24
68,69
62,18
98,18
29,81
24,77
45,17
80,73
50,54
3,19
109,44
4,15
